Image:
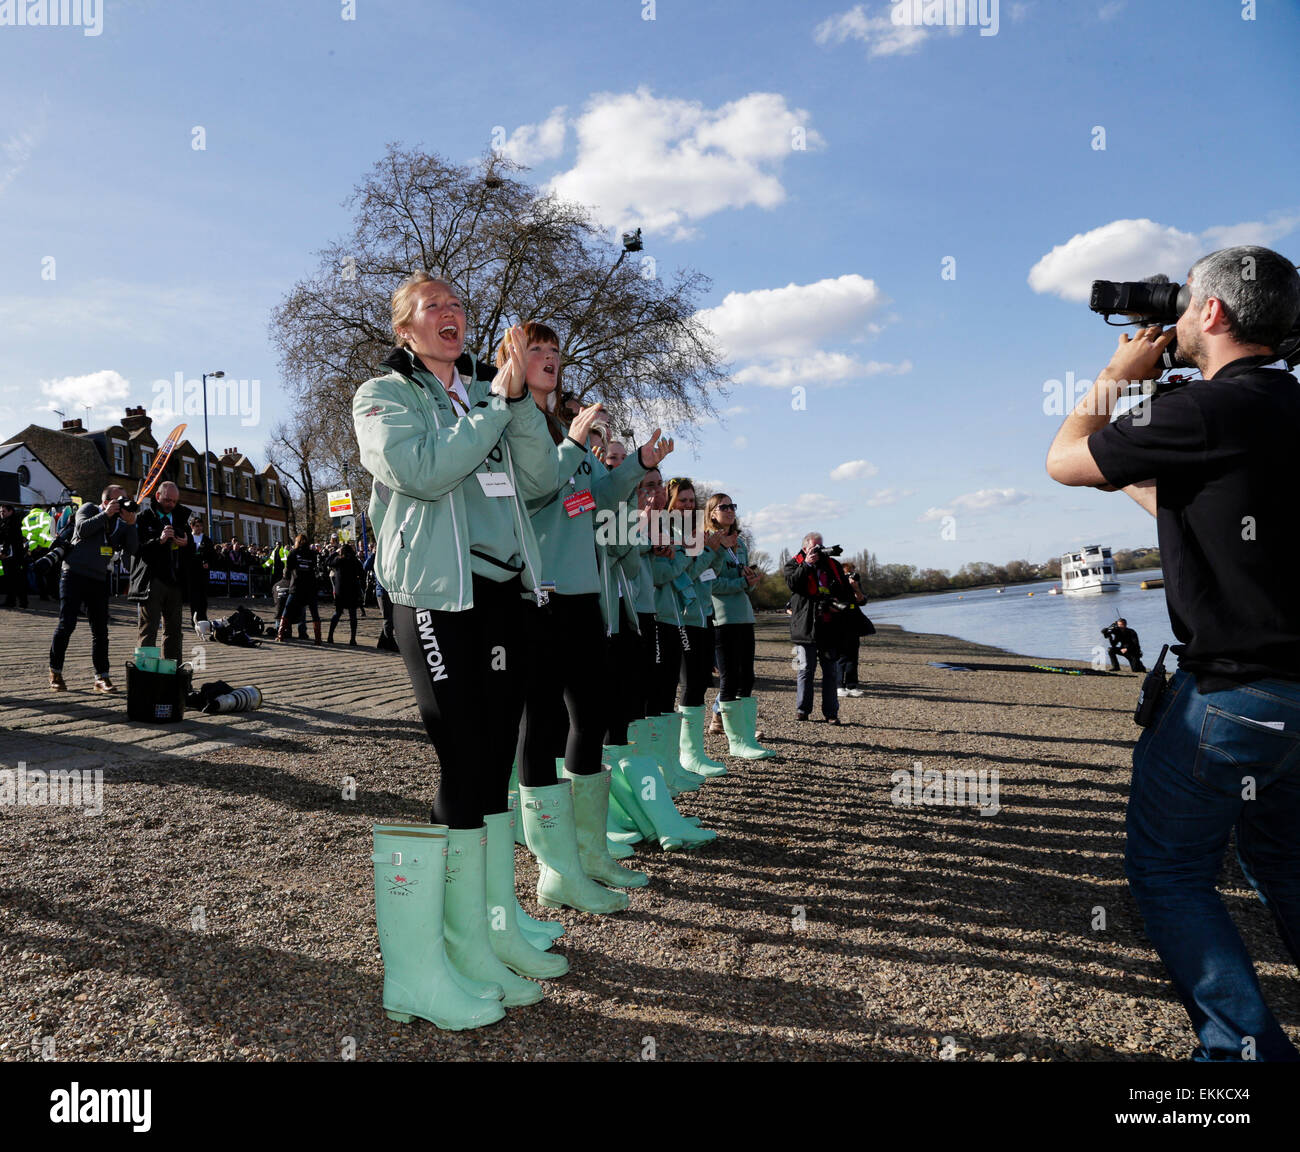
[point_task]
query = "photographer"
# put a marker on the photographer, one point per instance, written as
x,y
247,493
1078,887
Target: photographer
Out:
x,y
1213,461
816,582
98,530
161,569
1124,642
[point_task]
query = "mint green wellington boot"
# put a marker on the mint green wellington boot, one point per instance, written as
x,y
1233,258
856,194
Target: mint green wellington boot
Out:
x,y
552,837
466,924
751,724
639,787
513,947
665,747
590,811
535,931
618,836
691,743
513,801
735,722
409,905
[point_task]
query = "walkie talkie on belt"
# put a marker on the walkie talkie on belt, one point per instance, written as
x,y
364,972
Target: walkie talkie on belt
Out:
x,y
1153,687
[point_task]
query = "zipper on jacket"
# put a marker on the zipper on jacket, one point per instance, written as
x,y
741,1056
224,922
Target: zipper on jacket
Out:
x,y
455,524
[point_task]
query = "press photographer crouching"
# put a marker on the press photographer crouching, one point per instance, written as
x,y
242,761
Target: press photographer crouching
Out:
x,y
99,530
1213,461
1124,642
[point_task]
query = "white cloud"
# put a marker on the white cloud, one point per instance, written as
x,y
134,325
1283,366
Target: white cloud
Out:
x,y
985,500
1132,249
784,525
853,470
796,320
1110,10
740,443
103,391
886,496
661,164
531,144
882,36
817,368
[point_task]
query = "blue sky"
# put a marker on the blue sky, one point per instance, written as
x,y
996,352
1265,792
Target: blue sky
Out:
x,y
924,395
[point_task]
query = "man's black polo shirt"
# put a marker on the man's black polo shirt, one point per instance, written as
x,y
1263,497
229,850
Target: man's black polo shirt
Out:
x,y
1225,454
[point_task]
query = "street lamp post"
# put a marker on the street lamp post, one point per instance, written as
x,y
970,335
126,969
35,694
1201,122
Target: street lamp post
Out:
x,y
207,466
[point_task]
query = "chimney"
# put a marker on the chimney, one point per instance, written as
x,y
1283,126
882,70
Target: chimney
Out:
x,y
73,425
135,418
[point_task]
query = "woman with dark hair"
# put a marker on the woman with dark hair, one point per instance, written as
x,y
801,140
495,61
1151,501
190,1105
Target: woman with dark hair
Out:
x,y
348,579
568,707
734,630
301,570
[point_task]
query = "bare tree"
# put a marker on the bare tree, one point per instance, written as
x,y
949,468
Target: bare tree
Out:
x,y
629,337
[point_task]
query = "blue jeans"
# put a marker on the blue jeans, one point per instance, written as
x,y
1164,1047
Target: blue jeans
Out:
x,y
828,658
1201,770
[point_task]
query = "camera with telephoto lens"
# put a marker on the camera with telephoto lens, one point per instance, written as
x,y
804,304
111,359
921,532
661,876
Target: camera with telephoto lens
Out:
x,y
53,559
126,504
1156,300
820,550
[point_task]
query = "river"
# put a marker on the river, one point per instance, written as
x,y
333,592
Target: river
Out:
x,y
1049,627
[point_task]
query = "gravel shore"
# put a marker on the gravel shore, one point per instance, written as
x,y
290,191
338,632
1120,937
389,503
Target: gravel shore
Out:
x,y
221,907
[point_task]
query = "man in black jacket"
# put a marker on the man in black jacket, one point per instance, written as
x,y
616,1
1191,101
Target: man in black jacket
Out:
x,y
1213,461
13,554
1124,642
161,569
817,584
200,558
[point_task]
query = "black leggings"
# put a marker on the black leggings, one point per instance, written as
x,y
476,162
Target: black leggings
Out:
x,y
304,601
697,666
667,668
468,671
567,706
734,652
626,674
351,610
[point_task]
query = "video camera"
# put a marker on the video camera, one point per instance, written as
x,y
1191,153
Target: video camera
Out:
x,y
1156,300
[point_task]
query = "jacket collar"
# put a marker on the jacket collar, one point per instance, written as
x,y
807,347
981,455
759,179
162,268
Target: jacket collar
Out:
x,y
406,363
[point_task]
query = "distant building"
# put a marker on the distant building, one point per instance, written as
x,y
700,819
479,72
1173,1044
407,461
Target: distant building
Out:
x,y
53,465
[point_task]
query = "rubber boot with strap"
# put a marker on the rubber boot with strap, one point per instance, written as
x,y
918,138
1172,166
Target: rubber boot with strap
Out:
x,y
466,922
536,931
665,746
691,743
409,904
512,947
590,813
552,837
735,720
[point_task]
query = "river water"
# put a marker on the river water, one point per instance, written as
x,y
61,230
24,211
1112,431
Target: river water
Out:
x,y
1051,627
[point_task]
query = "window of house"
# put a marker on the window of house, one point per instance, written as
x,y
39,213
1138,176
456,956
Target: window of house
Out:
x,y
270,492
248,487
230,482
187,468
212,478
146,458
24,475
119,457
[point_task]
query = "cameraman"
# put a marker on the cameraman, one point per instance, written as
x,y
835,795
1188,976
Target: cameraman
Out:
x,y
98,530
1214,462
816,581
1124,642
